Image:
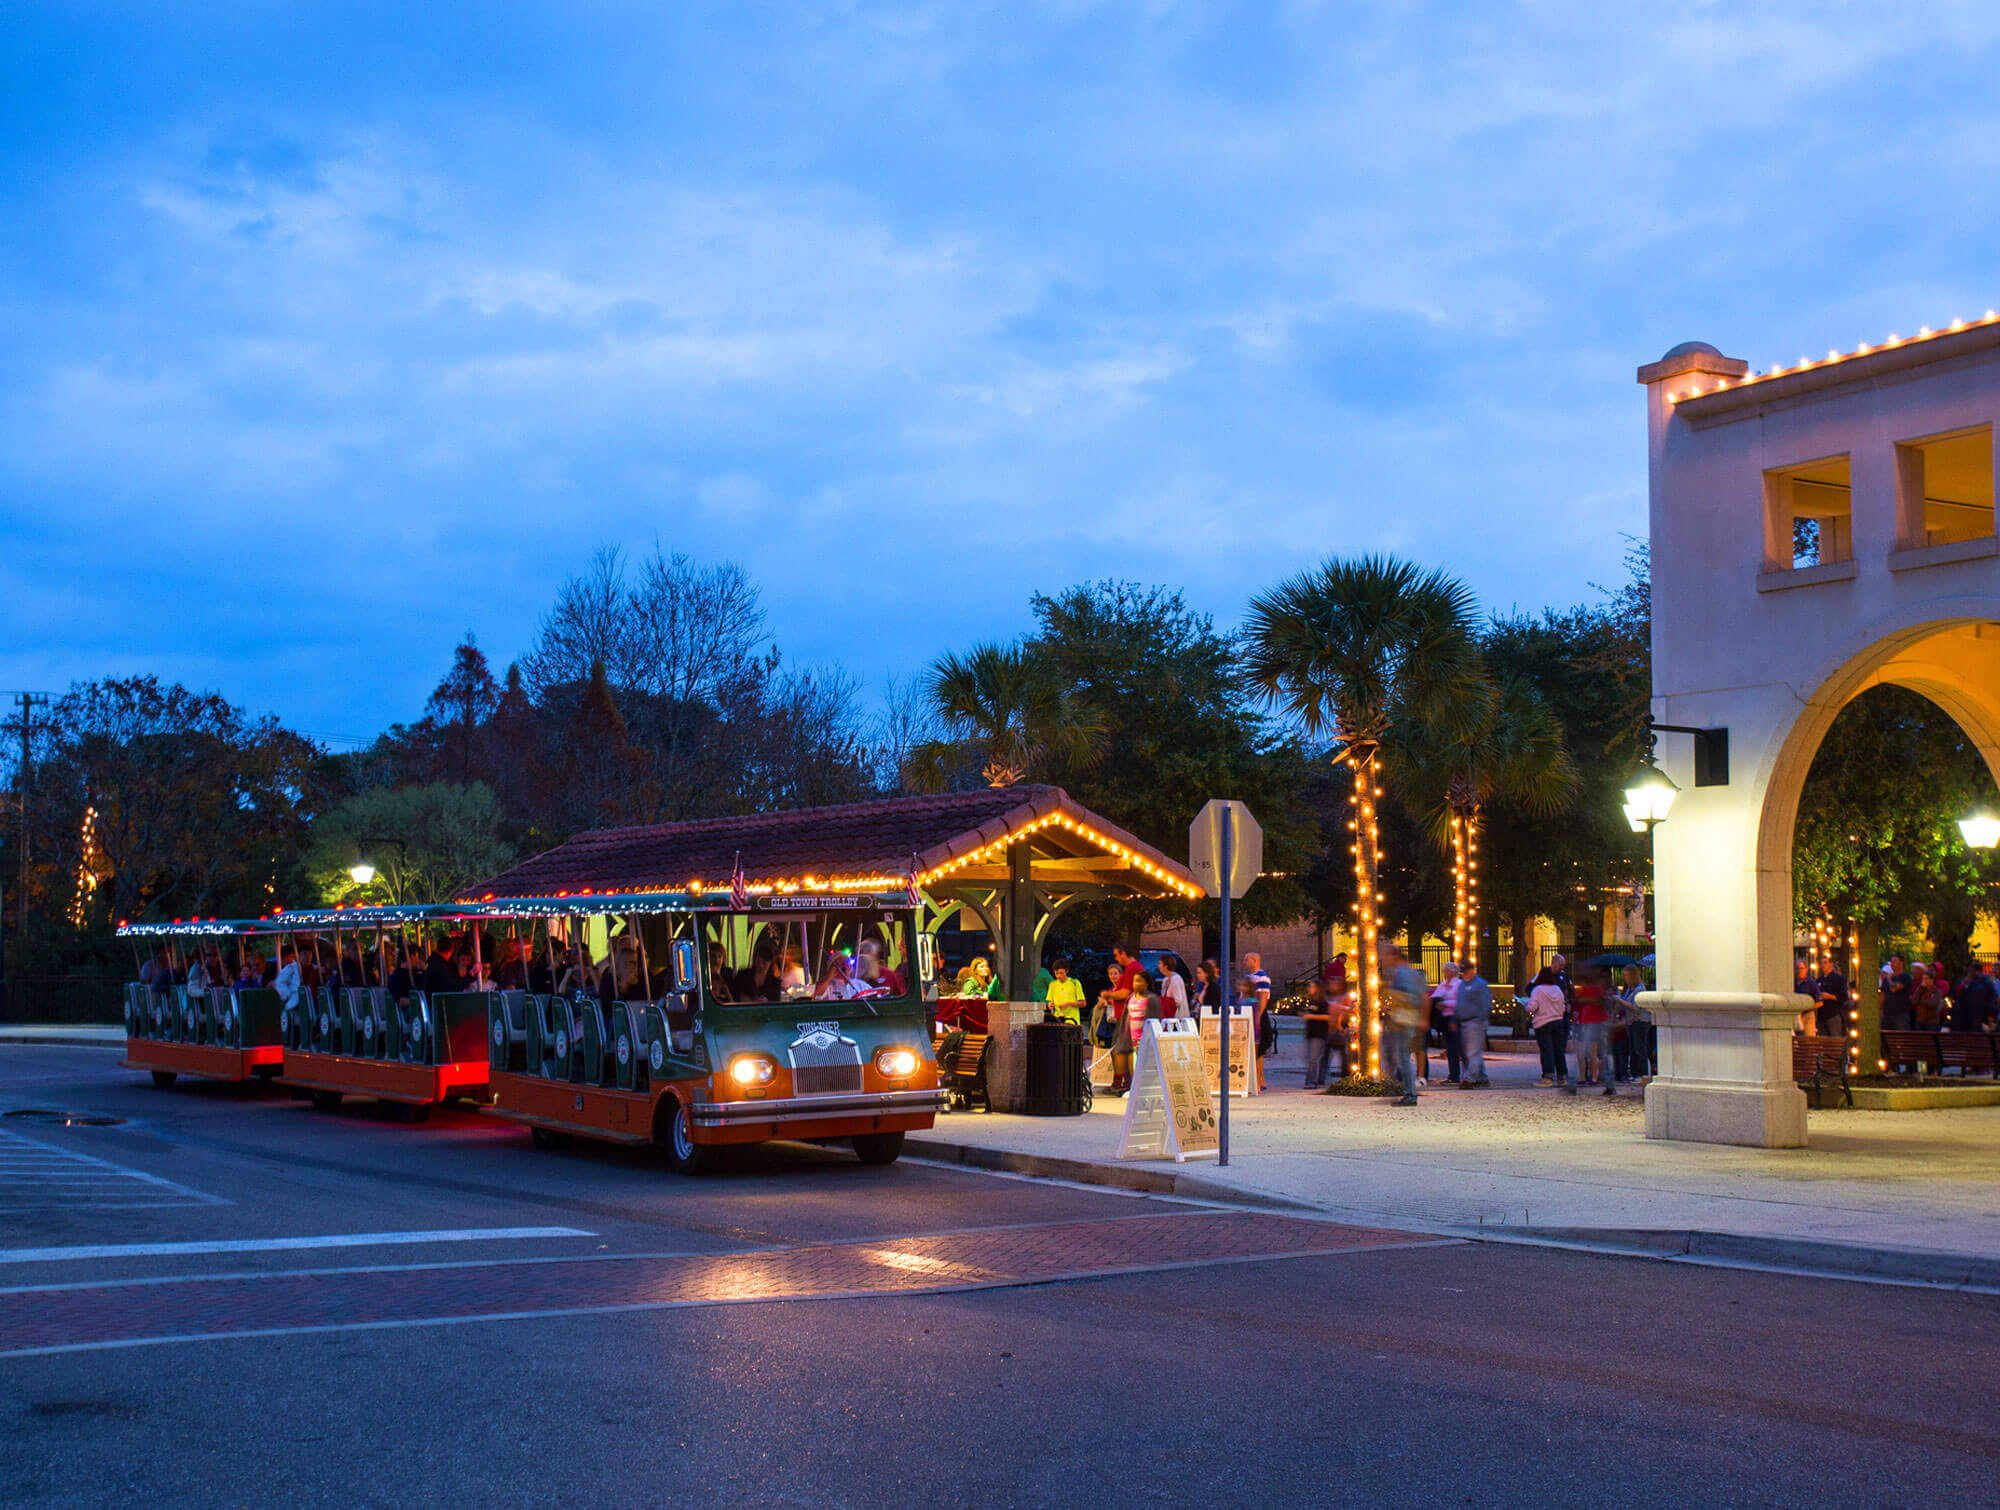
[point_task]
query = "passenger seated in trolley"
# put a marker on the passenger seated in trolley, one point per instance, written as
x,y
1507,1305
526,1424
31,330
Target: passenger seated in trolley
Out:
x,y
623,979
721,982
874,974
579,973
760,980
838,984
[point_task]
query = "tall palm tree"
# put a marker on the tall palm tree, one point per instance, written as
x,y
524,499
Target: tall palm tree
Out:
x,y
1010,708
1352,649
1515,754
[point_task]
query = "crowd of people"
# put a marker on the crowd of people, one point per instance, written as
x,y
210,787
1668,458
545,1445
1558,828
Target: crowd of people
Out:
x,y
1594,1017
459,963
1114,1020
1916,997
777,972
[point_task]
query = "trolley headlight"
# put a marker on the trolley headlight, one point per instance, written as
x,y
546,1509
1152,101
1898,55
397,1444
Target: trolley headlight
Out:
x,y
895,1064
749,1070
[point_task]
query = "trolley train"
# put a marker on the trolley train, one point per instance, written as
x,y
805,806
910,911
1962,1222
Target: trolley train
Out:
x,y
691,1020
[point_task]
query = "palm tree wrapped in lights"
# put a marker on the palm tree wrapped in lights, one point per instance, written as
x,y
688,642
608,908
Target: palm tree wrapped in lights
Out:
x,y
1514,753
1355,649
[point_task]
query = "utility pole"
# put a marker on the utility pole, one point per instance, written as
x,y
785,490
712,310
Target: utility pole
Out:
x,y
27,702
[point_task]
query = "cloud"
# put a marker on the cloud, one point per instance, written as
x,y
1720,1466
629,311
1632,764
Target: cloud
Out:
x,y
306,364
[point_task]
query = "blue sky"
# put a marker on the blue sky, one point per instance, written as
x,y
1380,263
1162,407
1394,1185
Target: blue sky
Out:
x,y
327,334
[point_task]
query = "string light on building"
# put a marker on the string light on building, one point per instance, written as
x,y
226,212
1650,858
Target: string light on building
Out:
x,y
1835,358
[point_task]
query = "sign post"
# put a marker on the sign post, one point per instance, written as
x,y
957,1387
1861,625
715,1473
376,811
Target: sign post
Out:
x,y
1225,852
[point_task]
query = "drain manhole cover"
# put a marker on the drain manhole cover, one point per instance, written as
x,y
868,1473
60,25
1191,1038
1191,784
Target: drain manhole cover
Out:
x,y
64,1119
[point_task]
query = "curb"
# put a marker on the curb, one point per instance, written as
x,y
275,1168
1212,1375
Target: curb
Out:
x,y
1086,1172
1933,1268
66,1040
1929,1268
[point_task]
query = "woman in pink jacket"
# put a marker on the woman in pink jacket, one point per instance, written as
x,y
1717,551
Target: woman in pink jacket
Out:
x,y
1548,1014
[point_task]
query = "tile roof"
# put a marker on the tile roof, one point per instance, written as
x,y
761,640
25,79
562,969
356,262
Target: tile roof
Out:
x,y
851,841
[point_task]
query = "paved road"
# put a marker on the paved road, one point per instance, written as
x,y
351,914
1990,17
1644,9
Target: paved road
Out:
x,y
474,1320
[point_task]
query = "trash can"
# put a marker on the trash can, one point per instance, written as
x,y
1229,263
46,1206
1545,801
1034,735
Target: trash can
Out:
x,y
1055,1070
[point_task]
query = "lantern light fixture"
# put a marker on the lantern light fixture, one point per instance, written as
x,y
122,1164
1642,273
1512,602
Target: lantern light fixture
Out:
x,y
1981,828
1649,798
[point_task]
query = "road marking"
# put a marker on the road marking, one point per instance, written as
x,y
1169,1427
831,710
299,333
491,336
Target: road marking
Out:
x,y
554,1312
116,1314
285,1244
37,1176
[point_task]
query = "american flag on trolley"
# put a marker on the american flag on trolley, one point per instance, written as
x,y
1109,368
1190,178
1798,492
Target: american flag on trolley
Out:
x,y
739,889
910,893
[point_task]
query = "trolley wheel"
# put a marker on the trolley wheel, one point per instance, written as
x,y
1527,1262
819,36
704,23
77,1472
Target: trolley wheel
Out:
x,y
326,1101
1089,1093
878,1148
165,1079
686,1155
548,1137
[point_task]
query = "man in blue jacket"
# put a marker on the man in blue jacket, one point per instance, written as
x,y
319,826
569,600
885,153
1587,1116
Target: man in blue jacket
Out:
x,y
1475,1011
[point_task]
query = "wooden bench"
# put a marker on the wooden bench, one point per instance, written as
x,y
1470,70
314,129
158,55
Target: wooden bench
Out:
x,y
1968,1052
1907,1049
1817,1059
962,1067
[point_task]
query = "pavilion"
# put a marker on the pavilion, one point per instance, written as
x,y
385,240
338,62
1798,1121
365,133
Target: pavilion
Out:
x,y
1014,858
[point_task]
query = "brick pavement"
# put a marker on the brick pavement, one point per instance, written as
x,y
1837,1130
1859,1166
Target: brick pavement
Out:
x,y
123,1313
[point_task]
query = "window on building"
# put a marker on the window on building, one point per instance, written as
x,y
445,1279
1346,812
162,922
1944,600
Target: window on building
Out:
x,y
1944,488
1808,515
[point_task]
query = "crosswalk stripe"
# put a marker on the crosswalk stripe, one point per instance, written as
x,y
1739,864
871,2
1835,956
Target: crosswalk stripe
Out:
x,y
36,1175
287,1244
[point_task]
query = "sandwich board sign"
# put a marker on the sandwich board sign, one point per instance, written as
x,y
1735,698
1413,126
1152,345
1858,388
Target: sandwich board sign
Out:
x,y
1242,1030
1169,1113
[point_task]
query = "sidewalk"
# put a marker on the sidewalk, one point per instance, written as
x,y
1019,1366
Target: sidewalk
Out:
x,y
1526,1161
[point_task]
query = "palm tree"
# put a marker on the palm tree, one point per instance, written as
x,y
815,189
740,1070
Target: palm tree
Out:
x,y
1353,649
1010,708
1515,754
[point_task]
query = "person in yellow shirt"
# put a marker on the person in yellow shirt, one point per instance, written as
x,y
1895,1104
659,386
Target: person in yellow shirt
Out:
x,y
1066,995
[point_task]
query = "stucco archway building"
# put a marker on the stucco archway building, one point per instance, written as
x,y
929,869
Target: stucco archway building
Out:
x,y
1816,530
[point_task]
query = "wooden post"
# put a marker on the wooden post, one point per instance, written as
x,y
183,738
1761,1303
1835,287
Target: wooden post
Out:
x,y
1021,951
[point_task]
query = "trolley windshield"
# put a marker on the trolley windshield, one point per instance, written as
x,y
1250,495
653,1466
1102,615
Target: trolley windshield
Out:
x,y
760,959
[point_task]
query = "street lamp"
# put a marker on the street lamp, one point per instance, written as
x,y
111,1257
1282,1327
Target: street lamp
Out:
x,y
1981,828
1649,798
362,873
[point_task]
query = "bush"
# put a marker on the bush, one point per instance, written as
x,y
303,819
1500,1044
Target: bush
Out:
x,y
1363,1085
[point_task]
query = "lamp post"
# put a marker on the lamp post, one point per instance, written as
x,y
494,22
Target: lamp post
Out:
x,y
364,872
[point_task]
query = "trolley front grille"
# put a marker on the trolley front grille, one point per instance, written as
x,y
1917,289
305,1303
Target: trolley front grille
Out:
x,y
825,1065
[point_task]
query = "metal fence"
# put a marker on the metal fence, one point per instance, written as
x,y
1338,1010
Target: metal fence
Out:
x,y
72,999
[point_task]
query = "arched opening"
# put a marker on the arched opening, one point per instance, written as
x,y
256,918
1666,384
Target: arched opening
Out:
x,y
1953,665
1882,878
